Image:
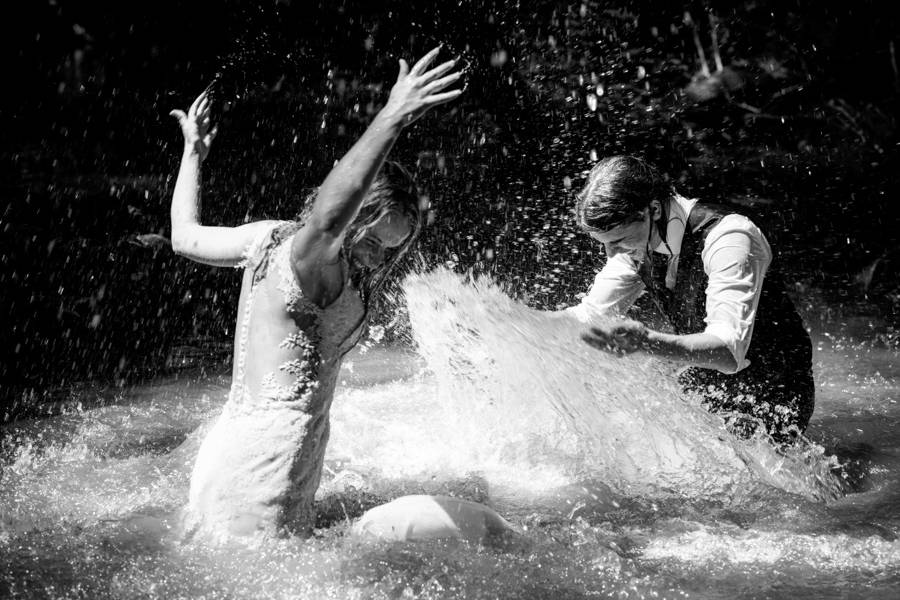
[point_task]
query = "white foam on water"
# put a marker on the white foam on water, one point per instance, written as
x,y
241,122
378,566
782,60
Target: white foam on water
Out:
x,y
739,546
100,464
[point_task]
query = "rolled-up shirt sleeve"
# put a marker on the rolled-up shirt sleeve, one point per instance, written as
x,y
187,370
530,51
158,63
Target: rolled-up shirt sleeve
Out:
x,y
615,289
735,257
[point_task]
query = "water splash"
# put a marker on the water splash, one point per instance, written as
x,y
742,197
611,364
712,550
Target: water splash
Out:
x,y
88,500
514,374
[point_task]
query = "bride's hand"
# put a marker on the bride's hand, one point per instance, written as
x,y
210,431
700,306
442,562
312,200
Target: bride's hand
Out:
x,y
195,125
417,90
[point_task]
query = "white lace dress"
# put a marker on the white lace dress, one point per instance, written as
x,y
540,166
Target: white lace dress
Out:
x,y
259,466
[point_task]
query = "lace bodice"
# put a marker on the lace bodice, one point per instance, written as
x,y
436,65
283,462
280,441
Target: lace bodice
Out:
x,y
259,466
322,335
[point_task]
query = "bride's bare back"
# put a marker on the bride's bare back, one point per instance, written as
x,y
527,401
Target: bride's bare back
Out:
x,y
259,467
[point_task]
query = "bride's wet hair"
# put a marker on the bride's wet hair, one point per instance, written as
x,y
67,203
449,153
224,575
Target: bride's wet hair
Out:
x,y
393,189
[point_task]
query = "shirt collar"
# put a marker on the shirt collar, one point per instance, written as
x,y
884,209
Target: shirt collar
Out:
x,y
679,211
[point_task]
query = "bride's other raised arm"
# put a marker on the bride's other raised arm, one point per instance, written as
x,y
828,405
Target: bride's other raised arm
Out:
x,y
218,246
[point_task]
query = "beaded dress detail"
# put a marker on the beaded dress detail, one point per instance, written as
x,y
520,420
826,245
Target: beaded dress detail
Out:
x,y
259,467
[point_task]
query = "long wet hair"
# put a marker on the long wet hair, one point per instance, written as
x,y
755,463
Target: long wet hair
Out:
x,y
618,190
393,189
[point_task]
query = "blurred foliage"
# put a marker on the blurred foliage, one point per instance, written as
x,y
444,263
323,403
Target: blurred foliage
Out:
x,y
797,119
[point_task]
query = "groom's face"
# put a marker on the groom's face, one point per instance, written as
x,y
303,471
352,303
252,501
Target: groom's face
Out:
x,y
629,238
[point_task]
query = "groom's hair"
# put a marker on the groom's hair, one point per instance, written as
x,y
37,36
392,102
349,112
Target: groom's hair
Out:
x,y
618,189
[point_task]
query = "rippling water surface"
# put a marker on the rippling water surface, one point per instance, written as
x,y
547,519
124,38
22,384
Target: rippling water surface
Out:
x,y
623,489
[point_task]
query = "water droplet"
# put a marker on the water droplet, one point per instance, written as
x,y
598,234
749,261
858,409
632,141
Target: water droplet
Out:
x,y
499,58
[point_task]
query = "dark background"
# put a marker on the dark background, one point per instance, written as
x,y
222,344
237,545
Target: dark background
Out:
x,y
801,126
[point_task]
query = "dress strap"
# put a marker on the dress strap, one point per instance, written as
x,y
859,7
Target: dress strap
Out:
x,y
260,261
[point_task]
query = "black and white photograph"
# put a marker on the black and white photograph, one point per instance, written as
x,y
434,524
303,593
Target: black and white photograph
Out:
x,y
464,300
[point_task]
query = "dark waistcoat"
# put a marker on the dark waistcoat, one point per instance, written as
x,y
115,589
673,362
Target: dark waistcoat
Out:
x,y
780,353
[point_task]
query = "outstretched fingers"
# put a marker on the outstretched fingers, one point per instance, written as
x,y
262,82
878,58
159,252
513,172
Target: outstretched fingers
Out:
x,y
435,99
418,88
599,339
439,84
439,70
203,107
196,103
423,62
208,139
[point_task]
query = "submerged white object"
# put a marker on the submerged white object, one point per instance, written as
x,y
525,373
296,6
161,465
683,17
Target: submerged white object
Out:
x,y
423,517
